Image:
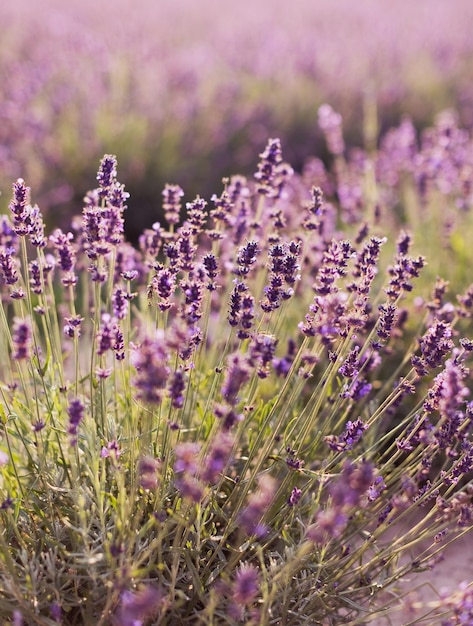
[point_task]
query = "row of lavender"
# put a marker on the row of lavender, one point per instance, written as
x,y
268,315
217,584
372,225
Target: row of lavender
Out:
x,y
226,423
188,91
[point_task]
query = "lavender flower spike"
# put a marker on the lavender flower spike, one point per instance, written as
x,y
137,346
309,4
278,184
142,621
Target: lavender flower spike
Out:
x,y
136,606
22,339
76,415
107,174
20,208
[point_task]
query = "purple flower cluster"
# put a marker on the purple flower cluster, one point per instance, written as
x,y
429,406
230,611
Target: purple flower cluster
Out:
x,y
251,516
103,224
136,606
110,337
435,344
262,351
21,209
315,209
148,469
8,271
238,373
66,256
242,309
172,195
334,264
283,269
22,338
76,415
354,484
247,584
273,173
351,435
150,359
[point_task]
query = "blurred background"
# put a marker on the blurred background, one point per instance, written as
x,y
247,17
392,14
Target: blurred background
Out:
x,y
189,91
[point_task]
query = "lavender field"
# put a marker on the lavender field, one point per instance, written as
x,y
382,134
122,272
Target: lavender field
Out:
x,y
189,92
236,312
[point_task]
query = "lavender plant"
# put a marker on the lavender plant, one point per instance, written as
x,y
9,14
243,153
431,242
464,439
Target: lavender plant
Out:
x,y
230,423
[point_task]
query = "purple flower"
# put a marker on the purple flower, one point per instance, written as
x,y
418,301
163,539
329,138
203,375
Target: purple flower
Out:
x,y
148,468
334,263
402,274
136,606
35,276
228,416
76,415
246,257
236,303
223,207
327,317
282,366
17,618
152,372
20,208
237,374
118,344
111,450
107,174
194,292
185,250
386,320
36,229
403,243
352,434
217,458
270,159
435,344
251,516
73,325
448,397
186,458
176,387
186,468
315,210
295,496
106,334
65,254
164,283
274,293
262,349
120,303
247,584
22,339
211,269
330,522
56,612
8,272
150,242
366,269
196,215
172,195
8,237
352,485
350,367
291,266
292,460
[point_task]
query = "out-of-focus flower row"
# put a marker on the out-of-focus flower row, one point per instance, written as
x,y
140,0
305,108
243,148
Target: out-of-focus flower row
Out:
x,y
189,91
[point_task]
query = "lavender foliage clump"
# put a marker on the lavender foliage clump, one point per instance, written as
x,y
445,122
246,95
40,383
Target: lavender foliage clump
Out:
x,y
225,424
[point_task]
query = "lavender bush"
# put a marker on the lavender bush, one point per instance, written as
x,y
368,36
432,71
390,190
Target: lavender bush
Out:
x,y
231,423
